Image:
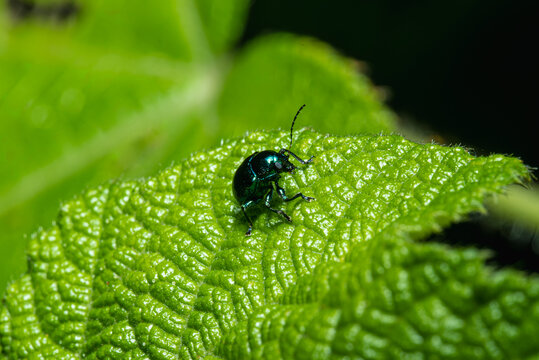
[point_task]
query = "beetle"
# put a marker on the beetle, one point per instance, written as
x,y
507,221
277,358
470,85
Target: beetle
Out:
x,y
258,177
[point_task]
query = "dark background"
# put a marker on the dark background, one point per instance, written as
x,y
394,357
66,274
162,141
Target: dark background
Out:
x,y
464,69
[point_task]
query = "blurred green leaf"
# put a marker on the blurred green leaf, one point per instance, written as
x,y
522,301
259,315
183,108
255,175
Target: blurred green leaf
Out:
x,y
161,267
187,30
278,73
107,93
75,117
124,89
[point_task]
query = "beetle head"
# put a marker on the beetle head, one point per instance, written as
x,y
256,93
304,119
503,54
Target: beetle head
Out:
x,y
283,163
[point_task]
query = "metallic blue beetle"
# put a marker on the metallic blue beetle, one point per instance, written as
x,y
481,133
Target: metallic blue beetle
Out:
x,y
258,175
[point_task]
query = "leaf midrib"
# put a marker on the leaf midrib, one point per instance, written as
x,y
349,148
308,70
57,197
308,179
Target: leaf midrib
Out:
x,y
198,92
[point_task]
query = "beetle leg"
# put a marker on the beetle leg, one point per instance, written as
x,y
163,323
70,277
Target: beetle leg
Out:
x,y
297,157
280,212
283,195
248,233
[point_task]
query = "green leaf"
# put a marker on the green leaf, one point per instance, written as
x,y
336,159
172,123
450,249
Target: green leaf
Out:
x,y
277,73
396,300
79,114
188,30
116,90
161,267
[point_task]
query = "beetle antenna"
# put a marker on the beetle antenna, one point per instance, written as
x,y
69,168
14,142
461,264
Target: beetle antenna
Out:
x,y
293,121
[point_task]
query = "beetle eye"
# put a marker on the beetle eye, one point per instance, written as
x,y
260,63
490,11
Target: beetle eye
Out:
x,y
278,165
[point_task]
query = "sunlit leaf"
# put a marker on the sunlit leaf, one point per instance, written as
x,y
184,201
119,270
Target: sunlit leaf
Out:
x,y
161,267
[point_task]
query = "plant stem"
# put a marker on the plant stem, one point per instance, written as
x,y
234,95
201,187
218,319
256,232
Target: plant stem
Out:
x,y
517,204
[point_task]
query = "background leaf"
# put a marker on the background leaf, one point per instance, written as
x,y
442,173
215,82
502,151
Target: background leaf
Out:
x,y
162,267
82,113
276,73
187,30
114,92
